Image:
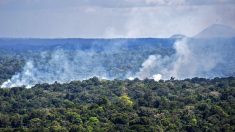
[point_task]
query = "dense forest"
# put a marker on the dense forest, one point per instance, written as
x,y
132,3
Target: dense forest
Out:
x,y
121,105
117,65
9,65
97,104
112,57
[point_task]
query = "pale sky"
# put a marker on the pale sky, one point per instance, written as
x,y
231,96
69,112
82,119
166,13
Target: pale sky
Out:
x,y
111,18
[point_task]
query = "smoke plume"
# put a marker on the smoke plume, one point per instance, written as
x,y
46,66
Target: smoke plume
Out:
x,y
205,58
193,58
59,65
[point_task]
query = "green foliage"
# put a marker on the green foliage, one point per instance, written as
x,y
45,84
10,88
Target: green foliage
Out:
x,y
194,121
121,105
93,120
126,100
9,65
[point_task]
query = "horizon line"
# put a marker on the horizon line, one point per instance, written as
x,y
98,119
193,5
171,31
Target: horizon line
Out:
x,y
84,38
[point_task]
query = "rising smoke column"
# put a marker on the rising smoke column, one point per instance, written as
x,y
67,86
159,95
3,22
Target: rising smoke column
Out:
x,y
193,58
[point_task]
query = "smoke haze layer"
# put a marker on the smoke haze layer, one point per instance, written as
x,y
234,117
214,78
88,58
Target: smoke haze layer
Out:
x,y
59,65
206,58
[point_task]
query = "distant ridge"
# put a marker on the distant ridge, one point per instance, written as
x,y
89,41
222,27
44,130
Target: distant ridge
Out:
x,y
217,31
178,36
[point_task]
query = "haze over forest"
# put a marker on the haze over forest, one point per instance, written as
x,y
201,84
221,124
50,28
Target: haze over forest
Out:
x,y
117,65
209,54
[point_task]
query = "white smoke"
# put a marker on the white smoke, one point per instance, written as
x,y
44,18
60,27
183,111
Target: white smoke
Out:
x,y
157,77
147,67
191,59
61,66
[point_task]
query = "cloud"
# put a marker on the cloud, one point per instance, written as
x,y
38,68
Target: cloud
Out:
x,y
210,2
111,18
165,2
186,2
166,21
106,3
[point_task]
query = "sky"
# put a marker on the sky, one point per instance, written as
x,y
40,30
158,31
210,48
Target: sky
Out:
x,y
111,18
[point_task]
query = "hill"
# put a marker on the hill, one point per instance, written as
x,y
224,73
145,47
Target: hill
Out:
x,y
217,31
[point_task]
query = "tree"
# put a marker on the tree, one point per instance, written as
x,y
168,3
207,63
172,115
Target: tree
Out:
x,y
126,100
